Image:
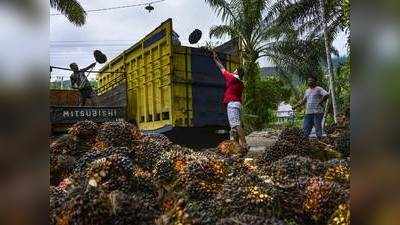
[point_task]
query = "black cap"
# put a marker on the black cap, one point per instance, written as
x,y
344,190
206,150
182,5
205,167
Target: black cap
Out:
x,y
195,36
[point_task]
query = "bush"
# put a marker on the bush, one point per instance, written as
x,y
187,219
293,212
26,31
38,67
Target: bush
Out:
x,y
270,92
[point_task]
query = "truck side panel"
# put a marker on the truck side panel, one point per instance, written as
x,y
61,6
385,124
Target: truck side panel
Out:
x,y
208,89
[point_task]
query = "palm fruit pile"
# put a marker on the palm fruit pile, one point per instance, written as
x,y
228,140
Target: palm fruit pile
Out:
x,y
230,148
343,143
291,141
292,167
116,135
87,206
338,171
341,216
133,209
250,220
148,150
61,166
112,174
246,193
322,198
84,133
57,198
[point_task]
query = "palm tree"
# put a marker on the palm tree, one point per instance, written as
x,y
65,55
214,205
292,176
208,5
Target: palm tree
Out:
x,y
245,20
297,58
71,9
314,19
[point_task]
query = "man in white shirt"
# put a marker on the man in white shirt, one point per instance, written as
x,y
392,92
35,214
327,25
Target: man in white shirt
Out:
x,y
314,98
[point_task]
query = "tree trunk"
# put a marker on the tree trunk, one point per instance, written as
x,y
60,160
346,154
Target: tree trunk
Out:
x,y
328,58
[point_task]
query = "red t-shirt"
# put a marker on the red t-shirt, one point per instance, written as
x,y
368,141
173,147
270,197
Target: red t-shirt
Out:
x,y
233,88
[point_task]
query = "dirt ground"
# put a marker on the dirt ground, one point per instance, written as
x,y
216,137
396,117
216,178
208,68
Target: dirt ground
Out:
x,y
258,141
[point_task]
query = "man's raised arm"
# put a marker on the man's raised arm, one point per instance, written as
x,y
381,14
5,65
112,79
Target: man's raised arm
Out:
x,y
88,67
218,62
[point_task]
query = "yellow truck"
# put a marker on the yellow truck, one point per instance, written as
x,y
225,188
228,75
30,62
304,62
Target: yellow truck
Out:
x,y
168,88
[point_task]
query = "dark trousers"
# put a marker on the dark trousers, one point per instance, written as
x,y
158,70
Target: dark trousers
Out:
x,y
313,120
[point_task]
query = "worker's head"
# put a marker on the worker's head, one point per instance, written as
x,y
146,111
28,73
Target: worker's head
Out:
x,y
74,67
312,81
239,72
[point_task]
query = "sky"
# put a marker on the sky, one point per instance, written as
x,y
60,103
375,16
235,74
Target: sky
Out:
x,y
116,30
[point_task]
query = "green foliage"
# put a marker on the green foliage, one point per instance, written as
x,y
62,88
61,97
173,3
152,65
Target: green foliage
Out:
x,y
305,17
56,85
71,9
346,13
343,86
301,58
270,92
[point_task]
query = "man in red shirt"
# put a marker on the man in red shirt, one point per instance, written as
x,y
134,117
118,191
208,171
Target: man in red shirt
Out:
x,y
233,98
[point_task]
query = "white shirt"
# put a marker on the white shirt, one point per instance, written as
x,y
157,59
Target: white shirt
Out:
x,y
313,97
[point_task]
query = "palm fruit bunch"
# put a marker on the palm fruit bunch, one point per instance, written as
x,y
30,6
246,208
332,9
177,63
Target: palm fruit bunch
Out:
x,y
64,145
230,148
57,198
341,216
288,200
132,209
200,174
111,172
292,167
331,129
204,212
84,161
84,133
86,206
343,143
323,151
206,166
148,151
199,181
322,198
61,166
161,140
250,220
338,171
116,134
179,157
174,213
245,193
291,141
84,130
164,171
62,158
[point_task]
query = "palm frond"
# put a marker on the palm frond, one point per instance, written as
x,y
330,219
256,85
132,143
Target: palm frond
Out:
x,y
71,9
222,30
222,8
